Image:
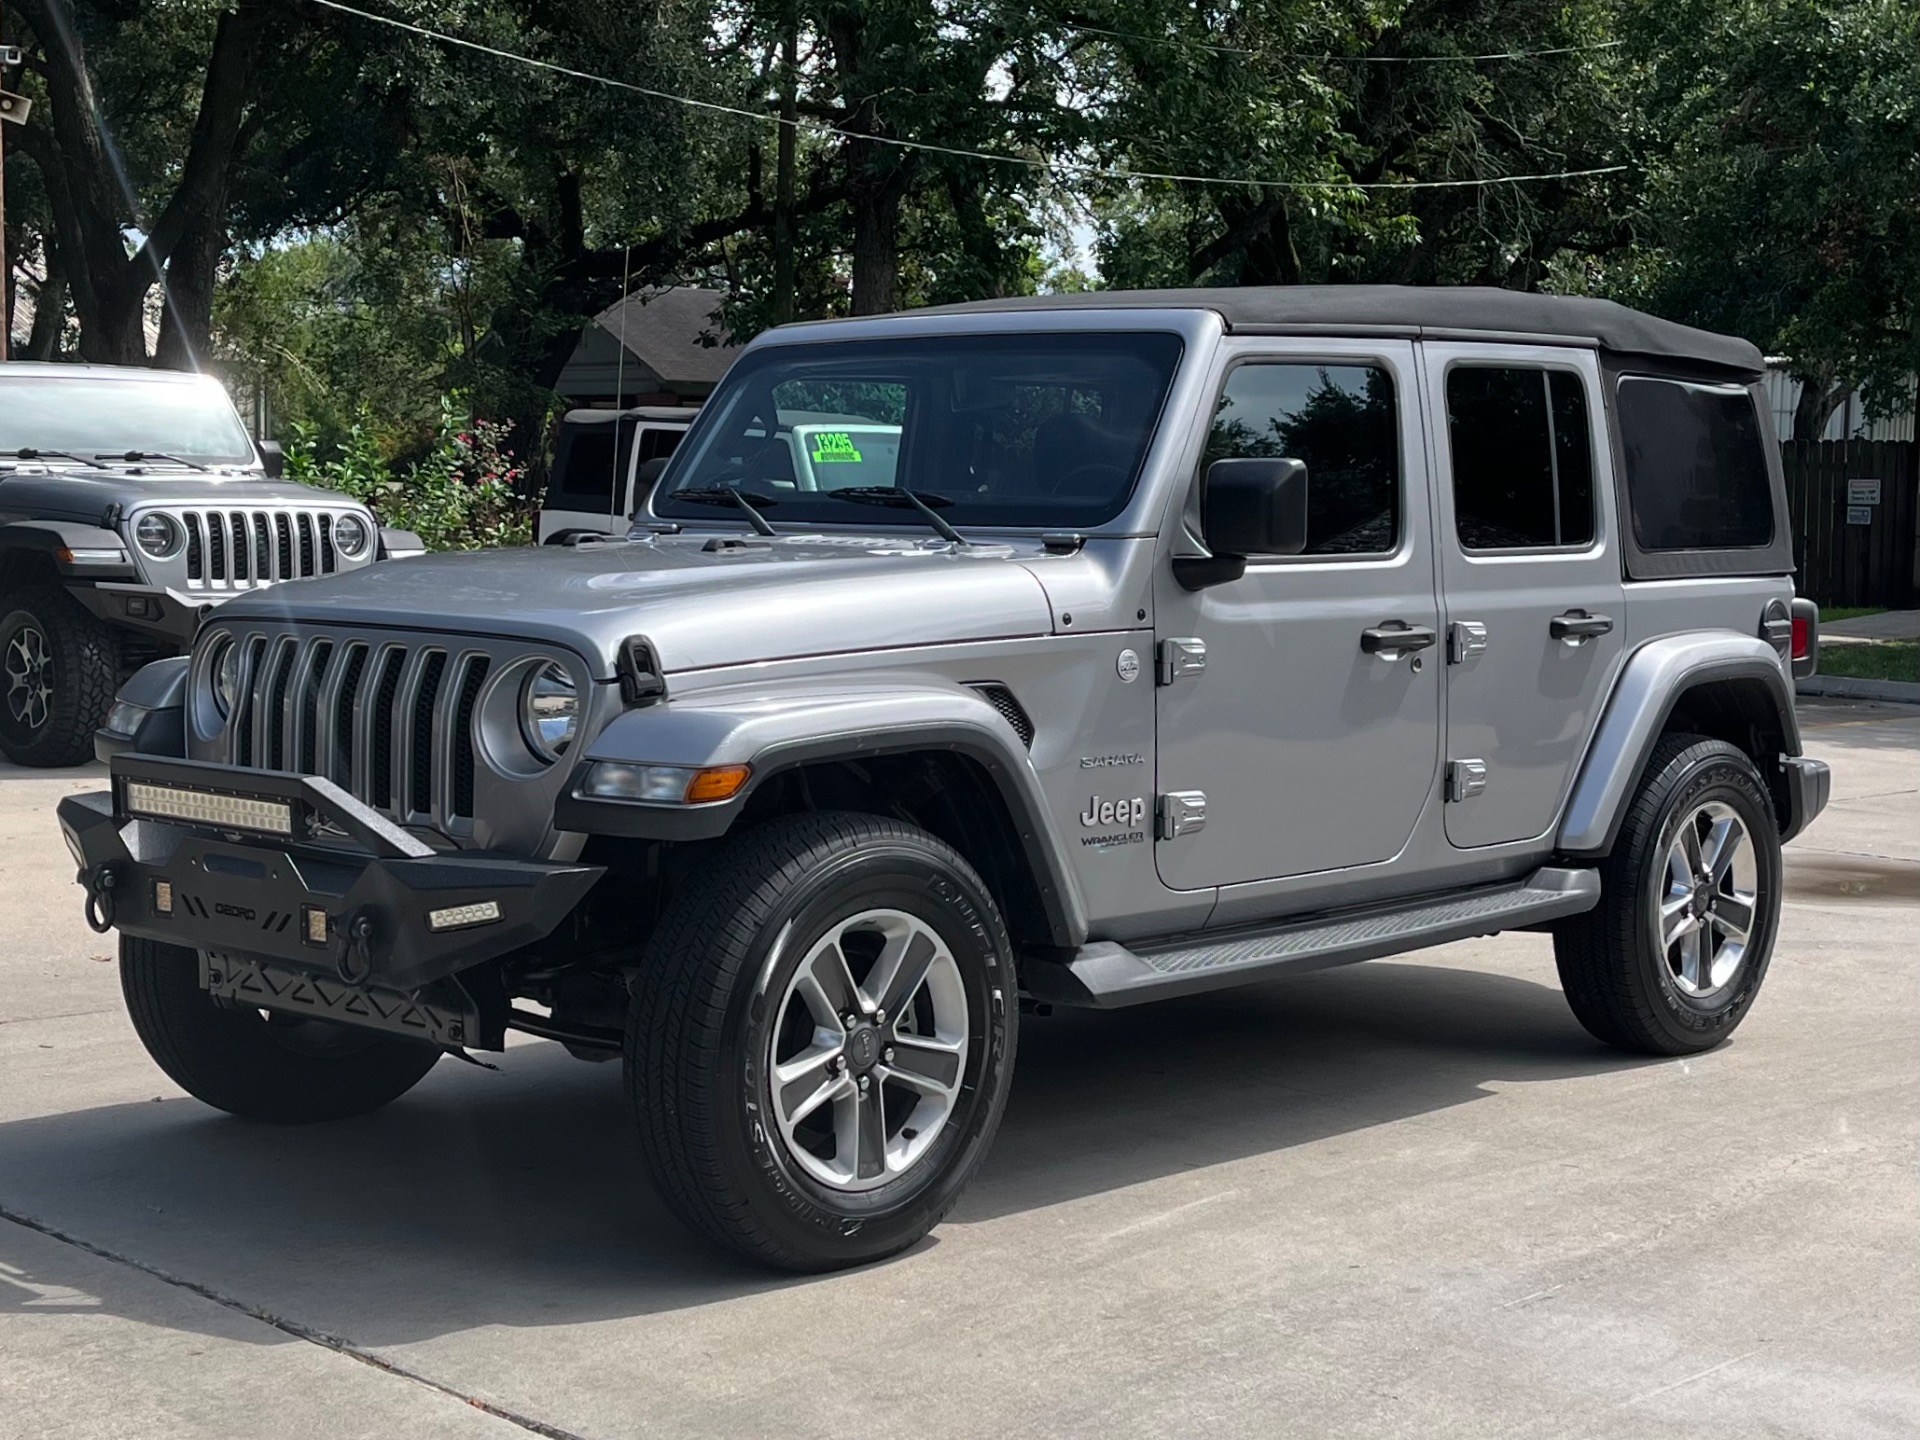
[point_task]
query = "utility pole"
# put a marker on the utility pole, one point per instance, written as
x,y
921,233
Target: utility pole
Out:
x,y
13,111
6,273
783,168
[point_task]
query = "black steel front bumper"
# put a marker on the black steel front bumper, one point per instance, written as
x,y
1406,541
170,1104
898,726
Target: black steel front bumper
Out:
x,y
346,893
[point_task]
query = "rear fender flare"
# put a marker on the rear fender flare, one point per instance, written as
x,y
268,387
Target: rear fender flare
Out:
x,y
777,729
1651,685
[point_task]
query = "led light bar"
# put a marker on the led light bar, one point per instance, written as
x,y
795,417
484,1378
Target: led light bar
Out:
x,y
458,917
199,807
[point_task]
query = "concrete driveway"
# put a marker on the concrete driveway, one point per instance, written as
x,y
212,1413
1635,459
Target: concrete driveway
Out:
x,y
1409,1198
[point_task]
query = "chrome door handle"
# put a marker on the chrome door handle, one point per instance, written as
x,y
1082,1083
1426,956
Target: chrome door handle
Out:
x,y
1395,638
1577,626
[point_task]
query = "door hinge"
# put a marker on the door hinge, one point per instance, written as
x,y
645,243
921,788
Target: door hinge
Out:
x,y
1182,812
1466,639
1186,655
1465,778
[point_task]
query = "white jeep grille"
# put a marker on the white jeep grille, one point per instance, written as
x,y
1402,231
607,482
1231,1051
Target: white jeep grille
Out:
x,y
247,549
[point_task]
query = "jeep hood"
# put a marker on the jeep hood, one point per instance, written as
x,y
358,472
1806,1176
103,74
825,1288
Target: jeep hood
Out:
x,y
702,601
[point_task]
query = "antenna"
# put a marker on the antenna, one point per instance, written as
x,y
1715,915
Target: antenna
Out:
x,y
617,491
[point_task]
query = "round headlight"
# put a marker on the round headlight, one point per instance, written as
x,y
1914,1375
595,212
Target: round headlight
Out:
x,y
350,536
549,711
157,534
226,676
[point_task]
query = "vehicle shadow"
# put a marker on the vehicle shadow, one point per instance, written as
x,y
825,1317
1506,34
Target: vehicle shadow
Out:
x,y
518,1199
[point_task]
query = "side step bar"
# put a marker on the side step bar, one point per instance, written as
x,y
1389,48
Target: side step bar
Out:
x,y
1106,974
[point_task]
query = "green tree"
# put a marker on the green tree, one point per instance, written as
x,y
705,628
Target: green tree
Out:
x,y
1782,198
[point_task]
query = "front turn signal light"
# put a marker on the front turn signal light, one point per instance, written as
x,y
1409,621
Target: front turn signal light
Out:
x,y
717,782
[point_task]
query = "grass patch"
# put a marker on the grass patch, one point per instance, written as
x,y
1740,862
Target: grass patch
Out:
x,y
1874,660
1831,613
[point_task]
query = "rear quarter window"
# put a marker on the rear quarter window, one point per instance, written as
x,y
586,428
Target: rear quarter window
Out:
x,y
1696,465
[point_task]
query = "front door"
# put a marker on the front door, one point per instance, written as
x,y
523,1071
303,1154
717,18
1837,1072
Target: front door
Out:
x,y
1313,728
1531,573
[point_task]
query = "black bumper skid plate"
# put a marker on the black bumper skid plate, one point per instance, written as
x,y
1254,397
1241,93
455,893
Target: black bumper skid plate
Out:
x,y
235,895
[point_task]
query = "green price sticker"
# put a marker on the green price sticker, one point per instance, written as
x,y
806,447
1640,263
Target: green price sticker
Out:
x,y
834,447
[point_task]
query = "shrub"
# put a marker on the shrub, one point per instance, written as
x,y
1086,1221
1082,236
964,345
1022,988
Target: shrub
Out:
x,y
463,494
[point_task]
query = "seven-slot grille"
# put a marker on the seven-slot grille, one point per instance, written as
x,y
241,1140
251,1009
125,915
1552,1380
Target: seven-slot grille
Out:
x,y
390,722
245,549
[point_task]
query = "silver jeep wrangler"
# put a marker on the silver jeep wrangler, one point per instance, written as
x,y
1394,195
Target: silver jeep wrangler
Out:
x,y
1082,650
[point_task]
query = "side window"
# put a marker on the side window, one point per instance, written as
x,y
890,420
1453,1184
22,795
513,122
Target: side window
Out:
x,y
1696,465
1522,450
1342,422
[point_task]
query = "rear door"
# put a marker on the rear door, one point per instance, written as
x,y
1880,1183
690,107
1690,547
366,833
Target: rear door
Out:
x,y
1530,570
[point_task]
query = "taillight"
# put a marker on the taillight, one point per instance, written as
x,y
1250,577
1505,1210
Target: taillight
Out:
x,y
1802,637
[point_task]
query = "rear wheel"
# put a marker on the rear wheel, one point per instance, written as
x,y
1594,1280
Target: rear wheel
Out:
x,y
821,1040
1671,959
58,668
261,1064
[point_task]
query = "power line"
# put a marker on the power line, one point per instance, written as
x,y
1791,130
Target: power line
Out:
x,y
1084,170
1184,43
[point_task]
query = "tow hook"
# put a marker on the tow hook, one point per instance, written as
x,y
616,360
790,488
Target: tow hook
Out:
x,y
355,965
99,883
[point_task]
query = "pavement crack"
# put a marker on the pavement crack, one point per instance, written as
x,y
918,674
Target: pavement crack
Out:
x,y
292,1328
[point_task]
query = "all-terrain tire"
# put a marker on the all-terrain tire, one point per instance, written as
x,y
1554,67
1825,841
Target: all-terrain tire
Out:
x,y
284,1069
1623,984
707,1016
46,633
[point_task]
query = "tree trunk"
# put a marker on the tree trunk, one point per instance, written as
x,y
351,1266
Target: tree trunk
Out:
x,y
49,309
876,229
1820,396
186,325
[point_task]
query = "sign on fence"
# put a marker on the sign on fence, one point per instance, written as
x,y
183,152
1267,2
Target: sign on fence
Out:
x,y
1859,514
1863,492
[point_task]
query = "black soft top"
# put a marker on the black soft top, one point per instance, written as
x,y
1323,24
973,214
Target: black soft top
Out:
x,y
1433,312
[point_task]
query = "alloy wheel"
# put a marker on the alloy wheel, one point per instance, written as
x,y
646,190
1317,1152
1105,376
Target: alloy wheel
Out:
x,y
29,675
1707,910
868,1044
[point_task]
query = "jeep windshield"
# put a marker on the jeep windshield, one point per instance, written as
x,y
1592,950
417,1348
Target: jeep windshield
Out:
x,y
1042,430
92,415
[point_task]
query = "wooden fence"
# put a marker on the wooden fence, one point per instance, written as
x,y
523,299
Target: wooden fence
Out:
x,y
1849,552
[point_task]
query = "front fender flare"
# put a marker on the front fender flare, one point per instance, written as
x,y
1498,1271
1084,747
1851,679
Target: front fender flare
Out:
x,y
1650,685
776,729
77,551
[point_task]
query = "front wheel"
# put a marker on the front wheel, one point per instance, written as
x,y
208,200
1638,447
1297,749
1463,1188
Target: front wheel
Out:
x,y
821,1040
58,667
1671,959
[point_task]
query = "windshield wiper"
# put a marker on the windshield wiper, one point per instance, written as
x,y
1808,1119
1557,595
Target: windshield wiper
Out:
x,y
137,457
27,452
894,498
749,505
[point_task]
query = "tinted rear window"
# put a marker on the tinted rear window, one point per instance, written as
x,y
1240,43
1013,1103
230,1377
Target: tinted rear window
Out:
x,y
1696,465
585,467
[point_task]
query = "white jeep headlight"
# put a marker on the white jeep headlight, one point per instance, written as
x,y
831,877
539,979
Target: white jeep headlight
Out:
x,y
158,534
549,711
350,536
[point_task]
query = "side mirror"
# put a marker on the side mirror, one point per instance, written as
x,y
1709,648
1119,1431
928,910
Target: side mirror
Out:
x,y
272,458
1247,507
644,479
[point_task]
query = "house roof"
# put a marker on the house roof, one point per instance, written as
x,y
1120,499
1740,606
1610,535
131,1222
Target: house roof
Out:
x,y
1416,311
677,333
